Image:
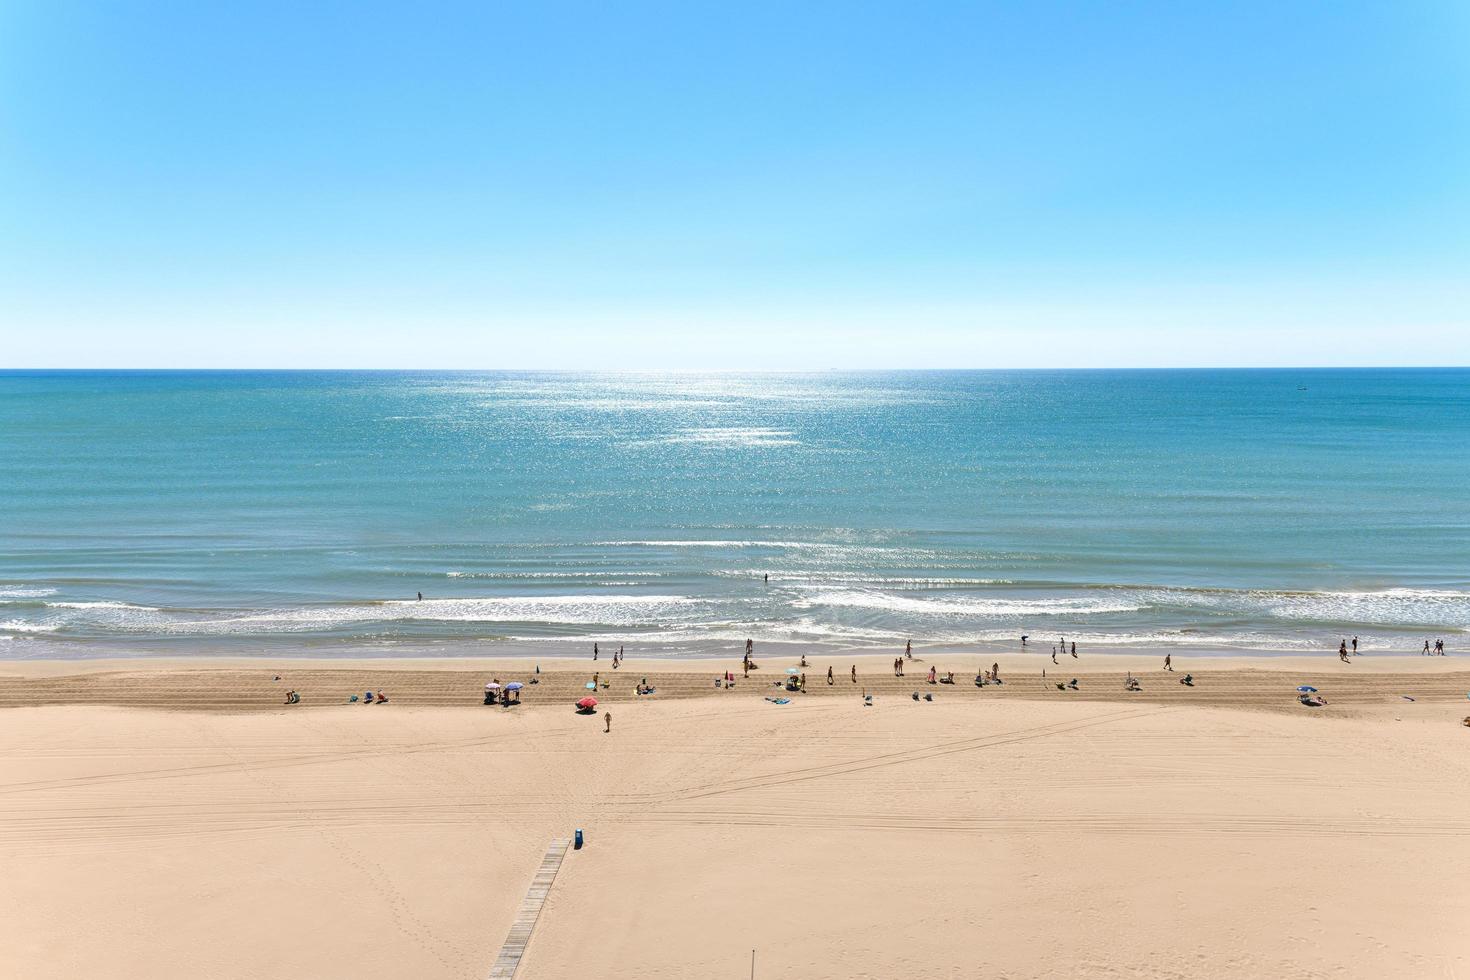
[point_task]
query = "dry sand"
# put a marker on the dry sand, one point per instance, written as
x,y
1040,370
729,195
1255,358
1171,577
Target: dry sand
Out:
x,y
166,821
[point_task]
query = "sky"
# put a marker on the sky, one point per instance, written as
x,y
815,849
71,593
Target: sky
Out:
x,y
743,186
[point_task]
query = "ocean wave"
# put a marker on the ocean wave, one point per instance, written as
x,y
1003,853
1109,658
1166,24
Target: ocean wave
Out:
x,y
1383,607
27,626
100,605
624,610
1404,607
24,592
972,606
824,578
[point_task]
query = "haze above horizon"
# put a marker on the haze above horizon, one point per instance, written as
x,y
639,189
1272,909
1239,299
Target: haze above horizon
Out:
x,y
743,187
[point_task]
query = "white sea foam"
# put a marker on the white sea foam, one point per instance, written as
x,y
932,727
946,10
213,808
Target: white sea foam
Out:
x,y
1374,607
100,605
28,626
1385,607
967,606
614,610
826,578
24,592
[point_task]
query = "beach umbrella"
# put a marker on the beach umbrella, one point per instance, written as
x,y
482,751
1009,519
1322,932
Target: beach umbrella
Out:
x,y
590,685
514,686
1307,690
492,686
586,704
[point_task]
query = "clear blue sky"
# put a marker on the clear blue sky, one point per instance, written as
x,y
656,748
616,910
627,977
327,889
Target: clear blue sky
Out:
x,y
791,185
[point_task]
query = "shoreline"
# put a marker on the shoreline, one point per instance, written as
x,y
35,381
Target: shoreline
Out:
x,y
560,653
958,660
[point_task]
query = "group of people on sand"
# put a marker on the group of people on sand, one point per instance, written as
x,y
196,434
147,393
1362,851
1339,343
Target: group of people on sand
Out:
x,y
617,656
832,679
1437,652
368,697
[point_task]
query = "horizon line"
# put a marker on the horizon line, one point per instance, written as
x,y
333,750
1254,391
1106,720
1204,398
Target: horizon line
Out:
x,y
709,370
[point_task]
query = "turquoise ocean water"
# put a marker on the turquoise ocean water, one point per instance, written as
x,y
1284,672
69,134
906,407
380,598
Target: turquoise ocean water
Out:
x,y
249,512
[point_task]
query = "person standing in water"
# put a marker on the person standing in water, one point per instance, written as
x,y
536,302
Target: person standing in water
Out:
x,y
594,651
1355,646
421,597
908,649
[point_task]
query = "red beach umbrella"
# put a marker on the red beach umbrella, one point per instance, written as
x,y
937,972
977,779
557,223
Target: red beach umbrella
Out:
x,y
587,703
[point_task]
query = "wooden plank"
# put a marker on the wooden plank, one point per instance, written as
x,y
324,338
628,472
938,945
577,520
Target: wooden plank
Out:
x,y
514,948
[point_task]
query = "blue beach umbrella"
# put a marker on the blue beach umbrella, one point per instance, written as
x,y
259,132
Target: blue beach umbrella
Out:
x,y
514,686
1307,690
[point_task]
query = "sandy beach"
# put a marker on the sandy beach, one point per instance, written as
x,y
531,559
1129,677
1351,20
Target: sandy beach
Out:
x,y
176,820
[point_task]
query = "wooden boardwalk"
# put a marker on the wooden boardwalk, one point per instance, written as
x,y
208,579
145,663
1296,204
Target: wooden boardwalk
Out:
x,y
520,931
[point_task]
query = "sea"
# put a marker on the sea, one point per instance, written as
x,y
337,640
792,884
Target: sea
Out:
x,y
246,513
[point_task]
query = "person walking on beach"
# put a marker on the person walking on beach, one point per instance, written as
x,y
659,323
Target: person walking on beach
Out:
x,y
1074,648
606,722
1426,649
1342,652
594,651
908,649
829,675
931,674
854,673
1168,662
995,672
1355,646
1053,654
